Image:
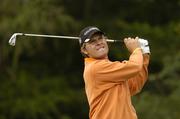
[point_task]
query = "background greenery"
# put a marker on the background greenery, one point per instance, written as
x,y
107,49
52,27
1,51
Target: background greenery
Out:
x,y
41,78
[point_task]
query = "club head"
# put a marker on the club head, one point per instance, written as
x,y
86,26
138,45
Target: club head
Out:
x,y
12,40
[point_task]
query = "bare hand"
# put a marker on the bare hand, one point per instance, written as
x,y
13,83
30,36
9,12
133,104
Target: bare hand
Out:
x,y
131,43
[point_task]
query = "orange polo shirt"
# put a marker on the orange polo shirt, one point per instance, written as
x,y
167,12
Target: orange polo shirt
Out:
x,y
110,85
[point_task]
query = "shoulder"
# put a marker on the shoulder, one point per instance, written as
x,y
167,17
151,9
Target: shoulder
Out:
x,y
106,64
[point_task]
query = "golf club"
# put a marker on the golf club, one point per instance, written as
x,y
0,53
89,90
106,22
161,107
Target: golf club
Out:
x,y
12,40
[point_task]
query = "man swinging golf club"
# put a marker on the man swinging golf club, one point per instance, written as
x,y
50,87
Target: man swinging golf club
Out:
x,y
110,85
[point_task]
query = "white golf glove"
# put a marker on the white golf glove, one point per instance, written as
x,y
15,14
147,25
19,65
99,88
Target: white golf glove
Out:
x,y
144,45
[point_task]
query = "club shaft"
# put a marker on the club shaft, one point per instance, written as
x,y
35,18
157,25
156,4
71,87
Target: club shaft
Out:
x,y
12,40
64,37
51,36
114,41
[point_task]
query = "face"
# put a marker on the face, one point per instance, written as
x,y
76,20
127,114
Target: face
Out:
x,y
97,47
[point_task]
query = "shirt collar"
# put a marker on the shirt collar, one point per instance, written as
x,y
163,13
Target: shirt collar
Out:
x,y
89,59
92,59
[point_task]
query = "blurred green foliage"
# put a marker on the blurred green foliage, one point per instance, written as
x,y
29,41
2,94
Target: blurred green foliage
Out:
x,y
42,78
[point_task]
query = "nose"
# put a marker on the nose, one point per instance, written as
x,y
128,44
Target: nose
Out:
x,y
99,42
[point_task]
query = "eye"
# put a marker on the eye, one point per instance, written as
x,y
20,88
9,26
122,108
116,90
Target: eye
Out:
x,y
105,37
92,40
97,38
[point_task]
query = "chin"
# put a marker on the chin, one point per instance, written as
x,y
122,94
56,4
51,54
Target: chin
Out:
x,y
102,56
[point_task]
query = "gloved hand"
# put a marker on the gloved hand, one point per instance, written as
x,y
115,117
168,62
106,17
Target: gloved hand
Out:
x,y
144,45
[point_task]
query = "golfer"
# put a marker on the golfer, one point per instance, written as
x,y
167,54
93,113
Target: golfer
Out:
x,y
110,85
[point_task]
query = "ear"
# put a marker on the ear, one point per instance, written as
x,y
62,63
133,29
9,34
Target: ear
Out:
x,y
84,51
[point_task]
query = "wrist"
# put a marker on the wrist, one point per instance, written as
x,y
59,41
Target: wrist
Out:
x,y
137,49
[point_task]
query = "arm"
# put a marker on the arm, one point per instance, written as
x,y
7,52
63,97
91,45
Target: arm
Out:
x,y
136,83
116,72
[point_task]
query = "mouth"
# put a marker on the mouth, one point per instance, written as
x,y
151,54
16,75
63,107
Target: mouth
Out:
x,y
102,48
